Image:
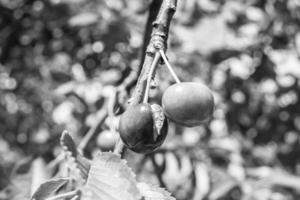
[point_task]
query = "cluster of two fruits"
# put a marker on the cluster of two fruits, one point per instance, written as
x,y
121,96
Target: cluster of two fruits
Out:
x,y
144,127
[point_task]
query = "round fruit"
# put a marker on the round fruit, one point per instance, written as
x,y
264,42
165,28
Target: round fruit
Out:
x,y
106,140
139,129
188,103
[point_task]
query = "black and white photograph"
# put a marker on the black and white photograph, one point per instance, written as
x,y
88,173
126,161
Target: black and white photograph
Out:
x,y
149,100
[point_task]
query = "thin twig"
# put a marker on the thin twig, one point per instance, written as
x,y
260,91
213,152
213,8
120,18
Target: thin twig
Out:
x,y
51,165
92,131
75,197
111,103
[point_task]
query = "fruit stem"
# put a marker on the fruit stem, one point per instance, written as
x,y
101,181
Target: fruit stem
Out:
x,y
150,75
163,55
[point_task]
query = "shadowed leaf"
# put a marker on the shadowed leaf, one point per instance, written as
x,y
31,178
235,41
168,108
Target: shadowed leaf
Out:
x,y
48,188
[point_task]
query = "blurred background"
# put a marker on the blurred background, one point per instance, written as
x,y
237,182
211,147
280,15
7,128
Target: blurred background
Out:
x,y
60,60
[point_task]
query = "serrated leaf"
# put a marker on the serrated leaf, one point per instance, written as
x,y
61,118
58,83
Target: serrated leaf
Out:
x,y
110,178
49,187
150,192
158,116
79,164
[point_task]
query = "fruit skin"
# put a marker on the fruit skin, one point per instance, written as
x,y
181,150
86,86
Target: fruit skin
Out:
x,y
188,103
138,131
106,140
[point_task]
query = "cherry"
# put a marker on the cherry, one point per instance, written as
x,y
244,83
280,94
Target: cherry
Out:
x,y
188,103
106,140
139,130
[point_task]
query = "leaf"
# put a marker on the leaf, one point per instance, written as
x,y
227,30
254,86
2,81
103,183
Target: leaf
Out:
x,y
110,178
150,192
83,165
48,188
68,143
78,163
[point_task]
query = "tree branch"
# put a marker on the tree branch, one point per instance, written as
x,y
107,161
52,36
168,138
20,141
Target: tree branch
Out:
x,y
131,79
158,40
153,12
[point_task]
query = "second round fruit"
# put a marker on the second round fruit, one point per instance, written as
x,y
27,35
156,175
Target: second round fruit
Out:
x,y
188,103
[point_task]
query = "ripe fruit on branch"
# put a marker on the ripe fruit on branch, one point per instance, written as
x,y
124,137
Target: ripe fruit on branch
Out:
x,y
106,140
143,128
188,103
